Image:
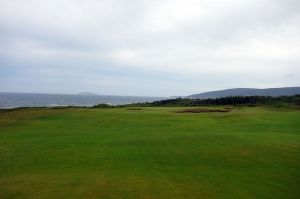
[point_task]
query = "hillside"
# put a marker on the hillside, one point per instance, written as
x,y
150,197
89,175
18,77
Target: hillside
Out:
x,y
286,91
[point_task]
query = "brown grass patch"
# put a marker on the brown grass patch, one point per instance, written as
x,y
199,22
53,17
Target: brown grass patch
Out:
x,y
135,109
203,110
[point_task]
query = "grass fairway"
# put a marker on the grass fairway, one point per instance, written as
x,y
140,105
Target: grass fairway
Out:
x,y
150,153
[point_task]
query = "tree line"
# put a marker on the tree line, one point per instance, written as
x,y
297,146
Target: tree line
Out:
x,y
231,100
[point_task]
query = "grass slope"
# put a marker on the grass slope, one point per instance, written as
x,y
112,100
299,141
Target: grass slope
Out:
x,y
149,153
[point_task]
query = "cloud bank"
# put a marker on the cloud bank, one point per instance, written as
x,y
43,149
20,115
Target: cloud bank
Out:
x,y
151,48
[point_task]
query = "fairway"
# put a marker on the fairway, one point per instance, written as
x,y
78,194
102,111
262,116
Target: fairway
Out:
x,y
246,153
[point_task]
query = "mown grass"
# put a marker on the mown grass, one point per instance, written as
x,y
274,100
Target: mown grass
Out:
x,y
150,153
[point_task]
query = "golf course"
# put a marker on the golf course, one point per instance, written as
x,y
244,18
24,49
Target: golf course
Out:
x,y
217,152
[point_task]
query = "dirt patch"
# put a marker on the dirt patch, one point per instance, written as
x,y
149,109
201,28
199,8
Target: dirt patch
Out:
x,y
135,109
203,110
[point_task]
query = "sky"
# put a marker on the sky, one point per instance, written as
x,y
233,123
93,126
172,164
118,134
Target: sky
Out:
x,y
148,48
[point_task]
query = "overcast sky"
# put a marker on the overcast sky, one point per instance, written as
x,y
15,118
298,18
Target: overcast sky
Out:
x,y
148,47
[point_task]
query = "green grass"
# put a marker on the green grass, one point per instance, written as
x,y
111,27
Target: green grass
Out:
x,y
150,153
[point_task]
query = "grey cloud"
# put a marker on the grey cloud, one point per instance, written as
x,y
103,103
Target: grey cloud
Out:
x,y
125,45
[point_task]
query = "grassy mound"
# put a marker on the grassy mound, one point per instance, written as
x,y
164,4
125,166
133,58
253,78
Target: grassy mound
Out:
x,y
203,110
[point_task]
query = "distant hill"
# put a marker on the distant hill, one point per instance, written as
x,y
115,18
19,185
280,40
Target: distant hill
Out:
x,y
87,93
286,91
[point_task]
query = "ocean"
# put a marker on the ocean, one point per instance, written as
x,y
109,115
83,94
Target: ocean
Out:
x,y
16,100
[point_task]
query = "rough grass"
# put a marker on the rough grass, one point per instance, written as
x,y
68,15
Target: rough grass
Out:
x,y
149,153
